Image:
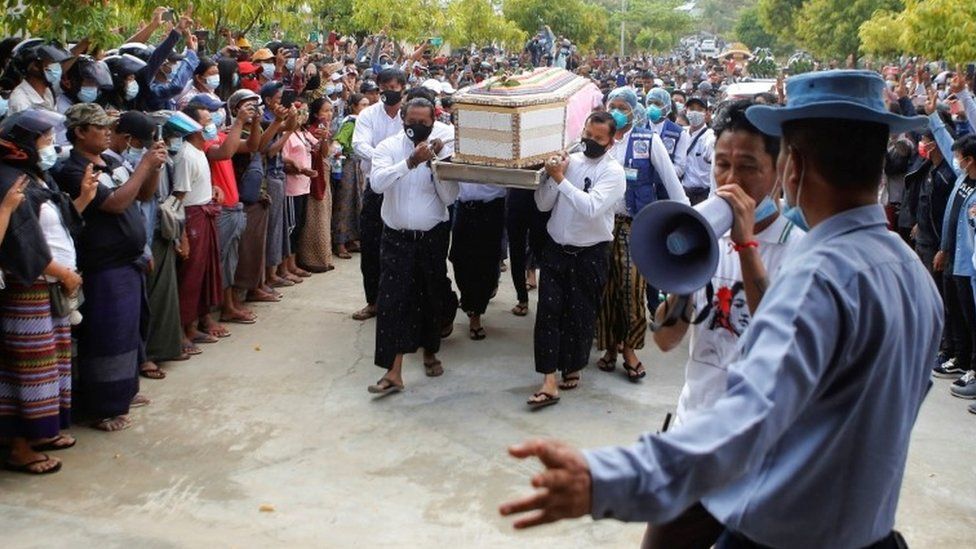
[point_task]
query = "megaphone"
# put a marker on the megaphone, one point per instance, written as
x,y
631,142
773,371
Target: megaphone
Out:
x,y
675,247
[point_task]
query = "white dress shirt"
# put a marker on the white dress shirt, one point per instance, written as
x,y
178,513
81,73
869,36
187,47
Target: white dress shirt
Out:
x,y
581,218
411,198
26,97
698,165
372,127
680,149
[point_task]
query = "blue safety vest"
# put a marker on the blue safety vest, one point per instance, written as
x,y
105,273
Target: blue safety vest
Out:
x,y
670,134
646,185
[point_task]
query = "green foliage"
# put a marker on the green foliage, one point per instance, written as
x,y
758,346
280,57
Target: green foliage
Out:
x,y
829,28
721,16
749,30
410,20
476,22
776,16
580,21
653,25
936,29
763,64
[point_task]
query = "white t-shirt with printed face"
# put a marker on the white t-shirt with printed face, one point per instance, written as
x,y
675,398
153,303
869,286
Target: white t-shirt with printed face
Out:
x,y
714,341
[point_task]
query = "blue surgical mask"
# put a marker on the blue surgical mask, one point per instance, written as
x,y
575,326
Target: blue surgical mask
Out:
x,y
88,94
4,107
236,80
620,118
174,145
210,132
267,70
131,90
654,113
765,209
218,118
290,64
52,73
330,89
48,157
793,211
133,156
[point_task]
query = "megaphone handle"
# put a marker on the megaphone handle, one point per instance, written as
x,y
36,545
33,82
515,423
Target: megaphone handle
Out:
x,y
673,314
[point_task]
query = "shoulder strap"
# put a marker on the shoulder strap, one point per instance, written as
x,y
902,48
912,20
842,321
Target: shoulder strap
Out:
x,y
697,137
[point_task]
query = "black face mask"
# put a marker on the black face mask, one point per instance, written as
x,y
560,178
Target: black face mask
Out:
x,y
391,98
418,133
592,149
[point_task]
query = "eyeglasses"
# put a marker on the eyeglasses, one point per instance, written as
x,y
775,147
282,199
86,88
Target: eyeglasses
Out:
x,y
252,76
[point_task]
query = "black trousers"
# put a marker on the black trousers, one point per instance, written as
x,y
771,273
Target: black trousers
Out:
x,y
415,295
927,255
526,228
962,310
476,251
697,195
733,540
570,288
370,236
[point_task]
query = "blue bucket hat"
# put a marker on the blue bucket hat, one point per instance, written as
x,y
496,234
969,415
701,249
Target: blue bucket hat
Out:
x,y
843,94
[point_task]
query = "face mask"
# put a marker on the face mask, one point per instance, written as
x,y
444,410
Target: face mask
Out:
x,y
48,157
175,144
391,98
268,70
387,66
131,90
620,118
330,89
210,132
218,118
418,133
654,113
592,149
52,73
236,80
679,107
4,107
765,209
88,94
290,64
133,156
212,82
793,211
695,118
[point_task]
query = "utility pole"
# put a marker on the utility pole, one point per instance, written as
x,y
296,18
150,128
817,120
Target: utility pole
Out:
x,y
623,12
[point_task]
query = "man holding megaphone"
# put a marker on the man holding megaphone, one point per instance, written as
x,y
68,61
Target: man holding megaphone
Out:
x,y
744,168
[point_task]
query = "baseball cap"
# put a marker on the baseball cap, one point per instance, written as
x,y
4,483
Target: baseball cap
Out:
x,y
368,86
270,88
137,124
205,101
246,67
84,114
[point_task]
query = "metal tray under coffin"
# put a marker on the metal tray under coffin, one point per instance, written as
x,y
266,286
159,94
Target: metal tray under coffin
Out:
x,y
473,173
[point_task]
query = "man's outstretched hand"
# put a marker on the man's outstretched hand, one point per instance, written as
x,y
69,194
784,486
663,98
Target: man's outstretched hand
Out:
x,y
563,489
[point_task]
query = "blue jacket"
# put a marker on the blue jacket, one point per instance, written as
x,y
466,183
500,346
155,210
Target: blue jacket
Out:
x,y
647,186
670,134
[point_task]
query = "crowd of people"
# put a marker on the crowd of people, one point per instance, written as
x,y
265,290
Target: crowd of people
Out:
x,y
151,192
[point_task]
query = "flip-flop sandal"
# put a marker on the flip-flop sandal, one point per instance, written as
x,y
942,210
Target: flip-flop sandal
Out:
x,y
632,372
139,401
222,333
549,400
384,387
606,365
363,314
204,339
477,334
264,298
103,425
434,369
570,382
192,350
182,358
238,320
520,310
303,273
53,446
152,373
344,255
26,467
282,283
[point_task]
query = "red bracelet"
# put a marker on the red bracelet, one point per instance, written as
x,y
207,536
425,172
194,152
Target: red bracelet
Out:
x,y
739,247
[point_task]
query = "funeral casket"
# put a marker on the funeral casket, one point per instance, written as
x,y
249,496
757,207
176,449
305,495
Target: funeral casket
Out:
x,y
508,125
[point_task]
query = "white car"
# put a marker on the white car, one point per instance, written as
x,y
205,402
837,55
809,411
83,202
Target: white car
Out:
x,y
708,48
743,90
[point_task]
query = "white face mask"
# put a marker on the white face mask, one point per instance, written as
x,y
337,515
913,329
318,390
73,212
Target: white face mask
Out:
x,y
213,81
48,157
695,118
131,90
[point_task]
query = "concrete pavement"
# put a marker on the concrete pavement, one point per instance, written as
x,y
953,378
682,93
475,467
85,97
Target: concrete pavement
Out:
x,y
269,439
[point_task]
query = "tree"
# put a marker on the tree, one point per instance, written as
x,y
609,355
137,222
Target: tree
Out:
x,y
653,25
777,17
583,23
829,28
477,22
412,20
936,29
721,16
750,31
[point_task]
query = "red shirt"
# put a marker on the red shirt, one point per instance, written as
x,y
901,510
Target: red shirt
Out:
x,y
222,172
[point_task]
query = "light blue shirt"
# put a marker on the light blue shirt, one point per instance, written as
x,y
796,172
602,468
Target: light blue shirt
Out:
x,y
807,447
479,192
962,254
